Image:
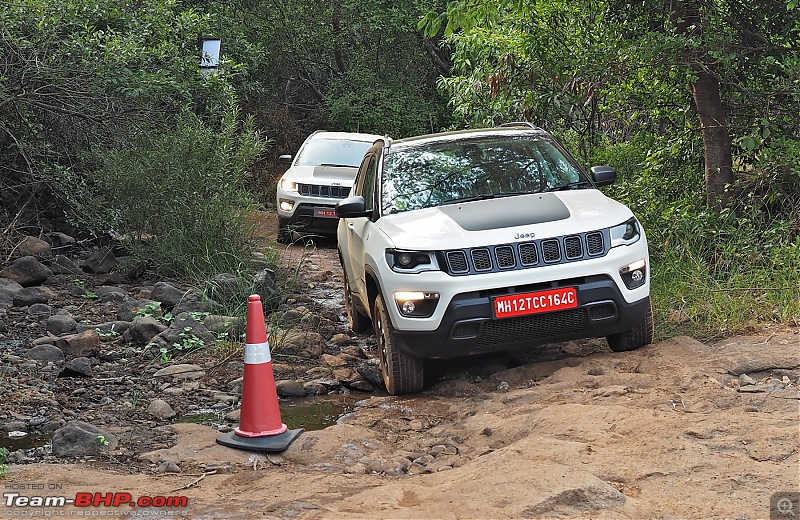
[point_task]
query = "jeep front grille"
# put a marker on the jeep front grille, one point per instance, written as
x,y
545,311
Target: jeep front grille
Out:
x,y
320,190
536,326
524,255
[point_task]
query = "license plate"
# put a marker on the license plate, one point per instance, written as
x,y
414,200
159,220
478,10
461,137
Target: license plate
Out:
x,y
524,304
327,213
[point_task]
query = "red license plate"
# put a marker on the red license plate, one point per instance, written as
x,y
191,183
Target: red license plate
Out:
x,y
325,213
534,302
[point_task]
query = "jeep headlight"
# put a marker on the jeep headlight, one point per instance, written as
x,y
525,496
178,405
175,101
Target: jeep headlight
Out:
x,y
626,233
288,185
411,261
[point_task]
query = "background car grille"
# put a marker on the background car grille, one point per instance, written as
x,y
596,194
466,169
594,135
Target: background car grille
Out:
x,y
487,259
319,190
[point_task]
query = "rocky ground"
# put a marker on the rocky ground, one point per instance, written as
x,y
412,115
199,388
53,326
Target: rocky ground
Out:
x,y
679,429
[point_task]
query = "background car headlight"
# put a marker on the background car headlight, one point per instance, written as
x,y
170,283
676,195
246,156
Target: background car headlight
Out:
x,y
625,233
288,185
411,261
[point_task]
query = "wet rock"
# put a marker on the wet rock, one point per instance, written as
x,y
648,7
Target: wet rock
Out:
x,y
289,388
45,353
371,374
361,386
160,409
79,439
61,324
315,388
14,426
78,345
167,294
77,367
341,339
27,271
8,289
99,261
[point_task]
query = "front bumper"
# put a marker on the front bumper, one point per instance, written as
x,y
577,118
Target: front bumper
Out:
x,y
467,326
305,219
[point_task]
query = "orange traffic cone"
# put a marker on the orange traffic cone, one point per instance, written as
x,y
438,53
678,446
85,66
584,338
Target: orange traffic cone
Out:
x,y
260,426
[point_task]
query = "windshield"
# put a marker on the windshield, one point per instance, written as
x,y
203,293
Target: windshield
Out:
x,y
332,152
447,172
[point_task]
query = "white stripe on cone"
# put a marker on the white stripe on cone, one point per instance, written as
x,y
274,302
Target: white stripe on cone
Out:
x,y
256,353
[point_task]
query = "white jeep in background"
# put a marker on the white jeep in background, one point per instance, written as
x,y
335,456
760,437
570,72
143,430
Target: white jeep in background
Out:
x,y
476,241
318,177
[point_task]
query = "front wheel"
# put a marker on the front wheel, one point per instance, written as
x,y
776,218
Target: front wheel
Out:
x,y
402,372
637,337
284,231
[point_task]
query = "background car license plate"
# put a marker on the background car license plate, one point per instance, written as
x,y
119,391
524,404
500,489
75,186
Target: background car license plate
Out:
x,y
325,212
524,304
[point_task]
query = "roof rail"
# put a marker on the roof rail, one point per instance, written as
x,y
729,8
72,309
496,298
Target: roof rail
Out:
x,y
520,123
387,143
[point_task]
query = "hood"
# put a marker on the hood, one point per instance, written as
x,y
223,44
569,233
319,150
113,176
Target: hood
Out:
x,y
343,175
504,220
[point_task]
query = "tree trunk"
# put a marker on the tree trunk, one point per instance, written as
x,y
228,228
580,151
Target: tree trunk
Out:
x,y
716,139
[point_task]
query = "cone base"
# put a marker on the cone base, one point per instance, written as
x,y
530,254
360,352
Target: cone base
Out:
x,y
272,443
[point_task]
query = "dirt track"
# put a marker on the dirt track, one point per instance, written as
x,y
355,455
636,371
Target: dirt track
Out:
x,y
673,430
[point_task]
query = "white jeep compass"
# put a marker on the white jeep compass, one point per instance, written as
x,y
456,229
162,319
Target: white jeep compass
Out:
x,y
475,241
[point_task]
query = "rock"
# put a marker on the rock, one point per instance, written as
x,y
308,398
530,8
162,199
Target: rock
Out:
x,y
167,294
302,343
79,439
31,295
27,271
143,330
107,329
110,293
77,367
229,325
160,409
100,261
184,333
332,361
14,426
8,289
32,246
266,287
289,388
192,302
59,239
341,339
224,287
362,386
168,466
60,264
40,310
137,307
373,375
61,324
180,372
745,380
86,343
45,353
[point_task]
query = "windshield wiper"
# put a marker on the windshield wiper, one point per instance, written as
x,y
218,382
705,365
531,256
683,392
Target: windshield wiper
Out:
x,y
568,186
485,196
338,165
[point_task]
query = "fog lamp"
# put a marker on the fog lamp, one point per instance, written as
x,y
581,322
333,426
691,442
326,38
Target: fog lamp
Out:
x,y
287,205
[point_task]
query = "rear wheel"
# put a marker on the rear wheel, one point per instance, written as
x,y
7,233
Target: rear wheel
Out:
x,y
402,372
637,337
355,320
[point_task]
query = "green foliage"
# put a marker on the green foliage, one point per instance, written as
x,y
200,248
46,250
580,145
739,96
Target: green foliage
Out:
x,y
3,462
181,195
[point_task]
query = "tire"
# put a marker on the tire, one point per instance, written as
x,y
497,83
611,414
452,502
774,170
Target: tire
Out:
x,y
637,337
355,320
402,372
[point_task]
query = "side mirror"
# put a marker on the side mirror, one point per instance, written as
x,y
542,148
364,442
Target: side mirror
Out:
x,y
603,175
285,159
352,207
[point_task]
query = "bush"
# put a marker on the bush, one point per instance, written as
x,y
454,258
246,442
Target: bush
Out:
x,y
181,198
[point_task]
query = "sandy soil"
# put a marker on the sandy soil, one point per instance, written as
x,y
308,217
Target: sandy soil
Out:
x,y
678,429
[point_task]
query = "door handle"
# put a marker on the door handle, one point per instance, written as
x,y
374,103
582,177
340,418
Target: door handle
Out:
x,y
351,225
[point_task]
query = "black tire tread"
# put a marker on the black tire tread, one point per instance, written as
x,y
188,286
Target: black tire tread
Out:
x,y
637,337
404,373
